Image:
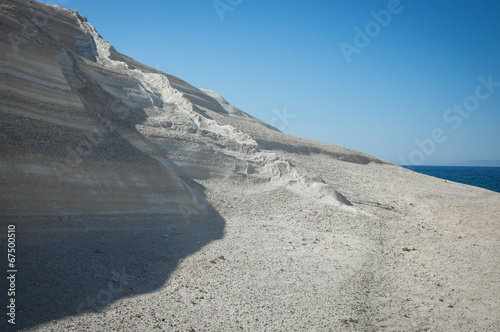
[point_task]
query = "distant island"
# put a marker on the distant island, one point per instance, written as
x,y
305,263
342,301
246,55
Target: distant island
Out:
x,y
480,163
471,163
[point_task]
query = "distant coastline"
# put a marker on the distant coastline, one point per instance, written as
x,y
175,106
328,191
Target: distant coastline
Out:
x,y
480,163
410,166
474,163
470,163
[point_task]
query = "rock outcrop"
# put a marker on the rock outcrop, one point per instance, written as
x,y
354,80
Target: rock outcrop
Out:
x,y
87,129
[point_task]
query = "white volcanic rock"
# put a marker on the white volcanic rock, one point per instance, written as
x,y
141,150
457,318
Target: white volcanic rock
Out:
x,y
67,78
141,202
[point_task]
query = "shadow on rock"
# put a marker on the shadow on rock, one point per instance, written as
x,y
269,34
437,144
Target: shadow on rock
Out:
x,y
69,265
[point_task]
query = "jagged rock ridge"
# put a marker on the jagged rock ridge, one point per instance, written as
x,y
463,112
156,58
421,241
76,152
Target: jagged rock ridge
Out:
x,y
89,129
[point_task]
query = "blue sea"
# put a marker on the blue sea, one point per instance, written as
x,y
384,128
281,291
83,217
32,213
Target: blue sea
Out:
x,y
484,177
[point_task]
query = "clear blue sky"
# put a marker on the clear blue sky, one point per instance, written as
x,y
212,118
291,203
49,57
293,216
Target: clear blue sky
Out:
x,y
270,55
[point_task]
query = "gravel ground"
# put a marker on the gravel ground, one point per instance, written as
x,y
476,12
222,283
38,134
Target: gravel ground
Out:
x,y
264,258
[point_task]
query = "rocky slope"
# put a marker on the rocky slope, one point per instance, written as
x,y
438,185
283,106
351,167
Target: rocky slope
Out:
x,y
77,113
143,202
